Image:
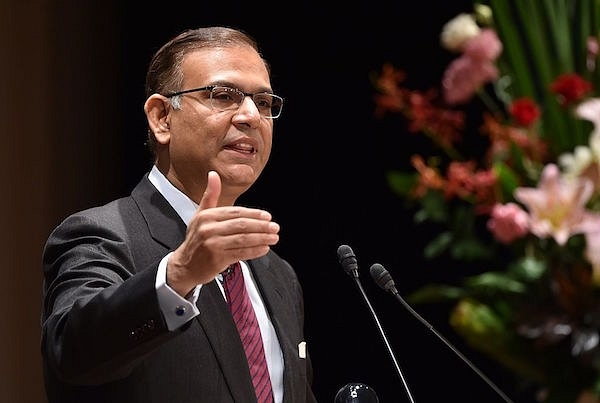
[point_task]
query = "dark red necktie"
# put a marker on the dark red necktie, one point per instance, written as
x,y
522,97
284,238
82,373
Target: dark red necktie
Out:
x,y
247,324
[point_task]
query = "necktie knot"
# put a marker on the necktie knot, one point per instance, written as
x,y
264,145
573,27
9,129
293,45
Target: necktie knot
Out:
x,y
230,271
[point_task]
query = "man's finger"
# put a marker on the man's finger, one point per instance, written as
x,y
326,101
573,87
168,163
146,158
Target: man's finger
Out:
x,y
210,198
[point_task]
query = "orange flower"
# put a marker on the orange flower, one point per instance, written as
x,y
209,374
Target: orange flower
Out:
x,y
429,178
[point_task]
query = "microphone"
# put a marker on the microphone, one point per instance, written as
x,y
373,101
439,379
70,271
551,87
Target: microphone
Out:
x,y
356,393
348,260
349,263
384,280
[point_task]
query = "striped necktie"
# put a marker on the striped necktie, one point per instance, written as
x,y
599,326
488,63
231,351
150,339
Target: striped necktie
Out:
x,y
247,324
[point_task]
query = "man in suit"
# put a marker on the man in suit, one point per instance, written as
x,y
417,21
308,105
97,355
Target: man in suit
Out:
x,y
134,309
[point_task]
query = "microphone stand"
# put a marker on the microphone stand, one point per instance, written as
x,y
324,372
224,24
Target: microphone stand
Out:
x,y
385,340
384,280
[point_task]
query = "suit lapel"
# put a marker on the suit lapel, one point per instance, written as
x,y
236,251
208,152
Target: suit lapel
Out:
x,y
164,224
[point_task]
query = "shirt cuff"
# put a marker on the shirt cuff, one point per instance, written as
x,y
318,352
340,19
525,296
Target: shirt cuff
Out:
x,y
175,309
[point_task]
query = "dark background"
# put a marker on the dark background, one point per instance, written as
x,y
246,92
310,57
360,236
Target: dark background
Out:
x,y
325,182
73,136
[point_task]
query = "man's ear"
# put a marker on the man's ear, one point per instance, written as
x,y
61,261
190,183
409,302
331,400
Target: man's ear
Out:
x,y
157,109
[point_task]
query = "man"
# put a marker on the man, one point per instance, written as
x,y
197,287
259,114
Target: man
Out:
x,y
134,309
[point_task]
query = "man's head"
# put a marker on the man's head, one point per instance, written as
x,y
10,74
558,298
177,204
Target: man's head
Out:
x,y
209,107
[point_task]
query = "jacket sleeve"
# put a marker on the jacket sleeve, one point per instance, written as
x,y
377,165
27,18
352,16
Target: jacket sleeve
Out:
x,y
100,312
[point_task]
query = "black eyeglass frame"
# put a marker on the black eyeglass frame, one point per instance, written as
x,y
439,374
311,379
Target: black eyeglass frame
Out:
x,y
246,94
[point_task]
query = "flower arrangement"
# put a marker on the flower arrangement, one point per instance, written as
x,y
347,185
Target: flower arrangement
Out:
x,y
521,210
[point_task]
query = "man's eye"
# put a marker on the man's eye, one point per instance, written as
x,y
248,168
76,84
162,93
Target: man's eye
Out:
x,y
224,96
263,101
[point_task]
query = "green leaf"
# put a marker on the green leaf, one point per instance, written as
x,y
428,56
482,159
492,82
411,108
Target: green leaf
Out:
x,y
497,281
488,332
514,57
528,268
401,183
470,249
433,208
435,293
507,179
438,245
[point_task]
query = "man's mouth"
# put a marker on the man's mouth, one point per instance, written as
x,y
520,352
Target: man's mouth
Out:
x,y
242,148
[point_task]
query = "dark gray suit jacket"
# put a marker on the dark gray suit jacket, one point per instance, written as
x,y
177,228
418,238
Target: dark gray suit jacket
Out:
x,y
103,335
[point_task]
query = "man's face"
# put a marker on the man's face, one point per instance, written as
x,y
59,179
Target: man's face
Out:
x,y
235,143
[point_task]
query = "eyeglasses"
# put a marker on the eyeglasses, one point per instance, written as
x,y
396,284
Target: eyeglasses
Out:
x,y
228,99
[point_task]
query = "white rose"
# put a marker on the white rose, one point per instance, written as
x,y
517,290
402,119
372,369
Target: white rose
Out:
x,y
458,30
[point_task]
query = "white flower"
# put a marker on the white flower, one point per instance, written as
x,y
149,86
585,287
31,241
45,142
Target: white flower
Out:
x,y
457,31
484,14
573,164
590,110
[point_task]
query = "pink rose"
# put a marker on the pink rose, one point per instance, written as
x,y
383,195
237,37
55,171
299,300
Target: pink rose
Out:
x,y
508,222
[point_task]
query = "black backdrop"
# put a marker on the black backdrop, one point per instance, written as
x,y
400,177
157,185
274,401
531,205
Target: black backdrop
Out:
x,y
325,182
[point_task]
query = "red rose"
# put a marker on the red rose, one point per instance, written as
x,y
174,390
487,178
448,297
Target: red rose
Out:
x,y
570,88
524,111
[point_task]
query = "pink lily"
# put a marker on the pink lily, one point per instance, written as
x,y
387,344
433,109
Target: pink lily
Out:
x,y
557,206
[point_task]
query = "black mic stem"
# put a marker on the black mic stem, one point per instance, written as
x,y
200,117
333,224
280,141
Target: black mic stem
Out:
x,y
348,261
384,280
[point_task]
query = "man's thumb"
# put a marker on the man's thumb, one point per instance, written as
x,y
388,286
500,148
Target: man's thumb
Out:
x,y
210,198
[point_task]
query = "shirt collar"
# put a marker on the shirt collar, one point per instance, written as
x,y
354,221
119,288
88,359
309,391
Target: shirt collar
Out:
x,y
183,205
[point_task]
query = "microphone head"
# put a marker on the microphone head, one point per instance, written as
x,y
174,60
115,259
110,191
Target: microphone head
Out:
x,y
356,393
347,259
383,278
